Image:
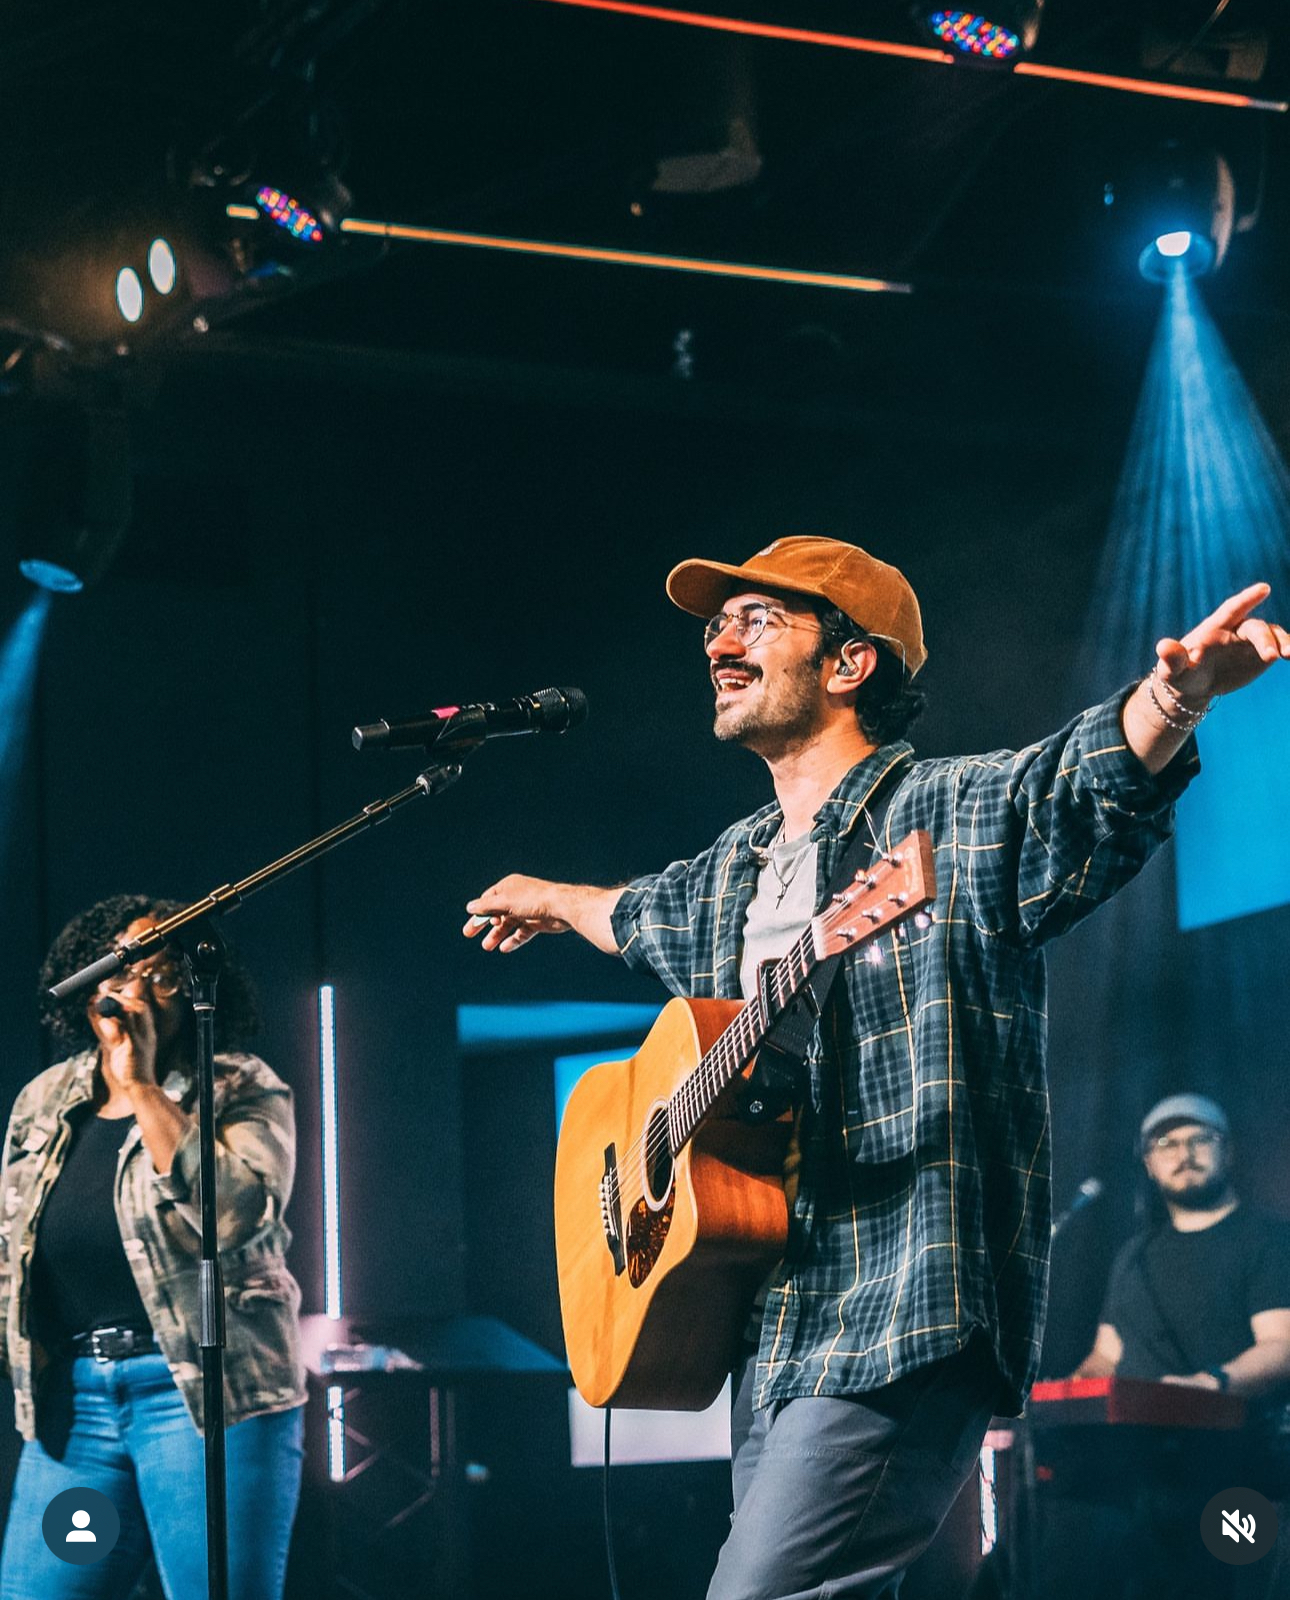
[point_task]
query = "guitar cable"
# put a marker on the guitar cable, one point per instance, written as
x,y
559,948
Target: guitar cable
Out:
x,y
609,1523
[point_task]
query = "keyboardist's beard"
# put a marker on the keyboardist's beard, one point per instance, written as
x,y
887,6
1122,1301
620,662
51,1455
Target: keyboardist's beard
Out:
x,y
1206,1196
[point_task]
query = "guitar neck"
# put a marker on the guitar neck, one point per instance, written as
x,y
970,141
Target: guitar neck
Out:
x,y
700,1090
895,887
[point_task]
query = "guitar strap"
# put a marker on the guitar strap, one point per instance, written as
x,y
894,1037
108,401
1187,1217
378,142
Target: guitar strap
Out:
x,y
778,1076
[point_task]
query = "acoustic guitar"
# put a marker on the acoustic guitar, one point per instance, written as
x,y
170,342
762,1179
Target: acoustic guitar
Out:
x,y
669,1203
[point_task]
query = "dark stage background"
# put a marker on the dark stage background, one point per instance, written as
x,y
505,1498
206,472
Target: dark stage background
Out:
x,y
317,546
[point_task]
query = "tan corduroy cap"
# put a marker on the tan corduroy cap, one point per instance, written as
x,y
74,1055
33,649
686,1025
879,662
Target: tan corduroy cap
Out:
x,y
869,591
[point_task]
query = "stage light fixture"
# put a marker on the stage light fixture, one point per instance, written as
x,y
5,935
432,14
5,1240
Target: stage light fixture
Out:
x,y
163,269
129,294
1189,215
1007,33
289,214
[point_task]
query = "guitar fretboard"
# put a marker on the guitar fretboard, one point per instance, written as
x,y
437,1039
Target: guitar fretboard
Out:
x,y
739,1043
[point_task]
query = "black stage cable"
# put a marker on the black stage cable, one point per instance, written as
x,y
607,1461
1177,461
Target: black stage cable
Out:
x,y
609,1523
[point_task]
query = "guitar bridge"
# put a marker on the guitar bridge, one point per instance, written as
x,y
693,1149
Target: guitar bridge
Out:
x,y
611,1210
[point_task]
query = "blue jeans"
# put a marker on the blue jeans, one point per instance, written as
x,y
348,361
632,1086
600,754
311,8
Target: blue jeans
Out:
x,y
834,1498
121,1427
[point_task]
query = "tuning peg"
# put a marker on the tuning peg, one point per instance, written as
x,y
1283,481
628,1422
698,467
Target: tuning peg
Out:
x,y
923,919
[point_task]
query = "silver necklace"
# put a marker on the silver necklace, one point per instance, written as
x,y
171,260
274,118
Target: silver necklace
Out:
x,y
784,879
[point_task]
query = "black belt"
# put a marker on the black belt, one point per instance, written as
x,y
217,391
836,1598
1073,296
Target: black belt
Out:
x,y
113,1343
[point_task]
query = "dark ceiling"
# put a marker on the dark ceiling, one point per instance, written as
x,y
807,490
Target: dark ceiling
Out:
x,y
1013,208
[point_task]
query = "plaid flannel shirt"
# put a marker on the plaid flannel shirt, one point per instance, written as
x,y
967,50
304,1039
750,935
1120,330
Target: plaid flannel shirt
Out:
x,y
922,1207
160,1221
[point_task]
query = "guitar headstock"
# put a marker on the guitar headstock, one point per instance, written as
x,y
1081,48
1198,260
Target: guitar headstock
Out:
x,y
894,888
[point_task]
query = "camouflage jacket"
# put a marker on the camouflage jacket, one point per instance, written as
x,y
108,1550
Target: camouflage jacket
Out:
x,y
160,1221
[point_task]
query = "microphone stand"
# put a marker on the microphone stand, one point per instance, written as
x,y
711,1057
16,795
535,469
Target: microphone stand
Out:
x,y
193,932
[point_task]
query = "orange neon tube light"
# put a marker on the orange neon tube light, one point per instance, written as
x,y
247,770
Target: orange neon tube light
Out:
x,y
913,52
1148,86
621,258
764,30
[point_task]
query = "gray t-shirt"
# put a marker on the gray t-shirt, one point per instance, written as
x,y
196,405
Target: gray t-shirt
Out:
x,y
777,913
780,909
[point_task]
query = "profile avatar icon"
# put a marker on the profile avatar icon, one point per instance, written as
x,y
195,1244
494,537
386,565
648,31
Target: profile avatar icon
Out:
x,y
80,1533
66,1528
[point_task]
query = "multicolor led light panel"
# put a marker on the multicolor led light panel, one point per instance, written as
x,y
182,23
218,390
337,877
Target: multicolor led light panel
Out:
x,y
289,214
974,35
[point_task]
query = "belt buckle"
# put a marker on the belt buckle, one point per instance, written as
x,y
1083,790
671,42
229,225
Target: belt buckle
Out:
x,y
110,1344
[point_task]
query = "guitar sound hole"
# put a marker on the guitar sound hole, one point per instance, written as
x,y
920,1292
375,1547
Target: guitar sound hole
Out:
x,y
657,1161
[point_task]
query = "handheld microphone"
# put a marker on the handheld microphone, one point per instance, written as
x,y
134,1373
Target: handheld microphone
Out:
x,y
1085,1195
107,1006
546,711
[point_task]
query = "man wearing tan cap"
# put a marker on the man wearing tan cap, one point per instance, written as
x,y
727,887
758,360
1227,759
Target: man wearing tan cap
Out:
x,y
910,1302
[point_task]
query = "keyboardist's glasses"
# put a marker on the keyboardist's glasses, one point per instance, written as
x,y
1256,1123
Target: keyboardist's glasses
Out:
x,y
1169,1144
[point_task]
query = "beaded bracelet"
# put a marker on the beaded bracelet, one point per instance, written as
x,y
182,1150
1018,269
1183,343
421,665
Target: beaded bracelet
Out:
x,y
1176,700
1186,721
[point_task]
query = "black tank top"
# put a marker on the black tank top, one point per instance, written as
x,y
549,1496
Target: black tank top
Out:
x,y
80,1278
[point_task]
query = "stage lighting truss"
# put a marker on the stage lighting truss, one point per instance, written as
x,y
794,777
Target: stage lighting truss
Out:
x,y
999,36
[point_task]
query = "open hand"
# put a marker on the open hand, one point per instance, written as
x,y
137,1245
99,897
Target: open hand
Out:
x,y
1225,652
515,910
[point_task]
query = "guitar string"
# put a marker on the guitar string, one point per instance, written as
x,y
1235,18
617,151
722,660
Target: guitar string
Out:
x,y
710,1075
718,1066
712,1072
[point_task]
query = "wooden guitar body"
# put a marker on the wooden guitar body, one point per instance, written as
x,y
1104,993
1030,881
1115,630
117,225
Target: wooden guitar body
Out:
x,y
654,1318
670,1209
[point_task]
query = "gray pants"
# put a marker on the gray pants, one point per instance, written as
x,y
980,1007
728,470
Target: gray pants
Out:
x,y
834,1498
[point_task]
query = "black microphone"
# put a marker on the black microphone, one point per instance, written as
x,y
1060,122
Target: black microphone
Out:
x,y
546,711
108,1006
1085,1195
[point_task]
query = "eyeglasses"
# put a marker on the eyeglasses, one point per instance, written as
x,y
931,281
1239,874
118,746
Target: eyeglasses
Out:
x,y
163,977
1168,1145
749,623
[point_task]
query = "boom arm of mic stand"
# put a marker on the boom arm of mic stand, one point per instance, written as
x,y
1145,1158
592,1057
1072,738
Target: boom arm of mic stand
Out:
x,y
437,777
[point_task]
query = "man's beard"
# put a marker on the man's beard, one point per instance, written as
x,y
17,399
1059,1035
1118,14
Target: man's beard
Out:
x,y
1207,1196
786,716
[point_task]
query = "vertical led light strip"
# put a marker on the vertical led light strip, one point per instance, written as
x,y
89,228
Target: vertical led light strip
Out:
x,y
989,1486
332,1299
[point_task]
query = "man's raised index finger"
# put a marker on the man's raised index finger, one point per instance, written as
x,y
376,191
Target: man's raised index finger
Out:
x,y
1234,611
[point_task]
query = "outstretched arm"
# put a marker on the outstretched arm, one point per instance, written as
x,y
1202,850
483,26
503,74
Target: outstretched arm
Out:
x,y
1225,652
517,908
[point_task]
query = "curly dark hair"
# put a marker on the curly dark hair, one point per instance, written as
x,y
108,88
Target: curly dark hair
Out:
x,y
93,933
888,703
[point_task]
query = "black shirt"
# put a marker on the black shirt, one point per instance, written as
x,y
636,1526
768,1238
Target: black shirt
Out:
x,y
1182,1302
80,1278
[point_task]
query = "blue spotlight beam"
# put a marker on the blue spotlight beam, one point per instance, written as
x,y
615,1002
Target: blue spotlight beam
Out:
x,y
1202,510
19,658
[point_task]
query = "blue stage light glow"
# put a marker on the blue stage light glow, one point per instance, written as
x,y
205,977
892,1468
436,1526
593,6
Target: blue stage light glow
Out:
x,y
48,575
1181,252
488,1027
1202,510
19,657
